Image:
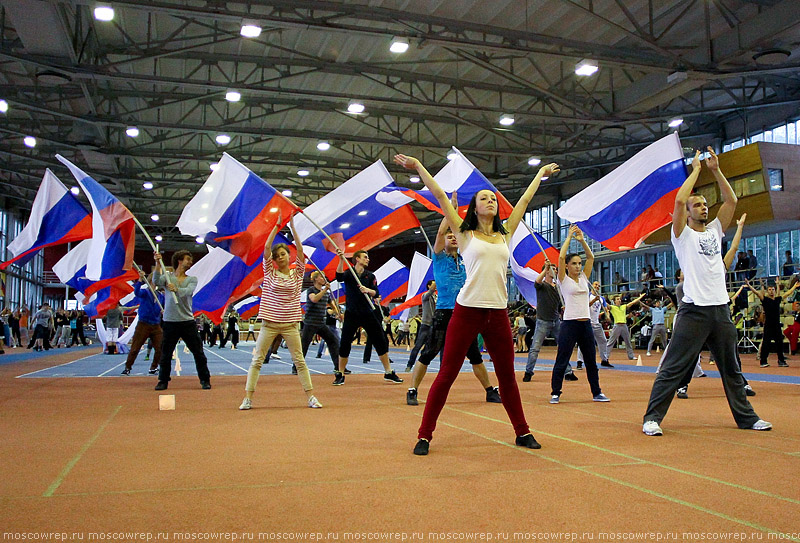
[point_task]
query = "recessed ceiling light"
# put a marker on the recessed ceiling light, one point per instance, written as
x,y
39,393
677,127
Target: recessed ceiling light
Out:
x,y
385,227
132,131
29,141
414,179
534,161
199,239
213,166
104,13
250,30
399,45
506,120
352,245
233,96
75,190
416,231
154,217
147,185
223,139
675,122
344,225
586,67
362,213
452,156
303,173
159,238
323,146
355,107
3,106
286,193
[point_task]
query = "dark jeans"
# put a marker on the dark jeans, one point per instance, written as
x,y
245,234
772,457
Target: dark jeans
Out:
x,y
573,332
441,320
187,331
772,335
327,335
423,336
232,335
143,332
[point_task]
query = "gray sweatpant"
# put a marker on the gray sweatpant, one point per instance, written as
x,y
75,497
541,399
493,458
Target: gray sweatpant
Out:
x,y
697,325
659,332
620,331
600,340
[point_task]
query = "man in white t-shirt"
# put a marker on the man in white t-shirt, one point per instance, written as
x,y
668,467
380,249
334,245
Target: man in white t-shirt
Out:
x,y
704,315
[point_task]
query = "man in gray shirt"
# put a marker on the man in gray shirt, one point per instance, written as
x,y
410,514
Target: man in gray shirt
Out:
x,y
424,331
113,322
178,318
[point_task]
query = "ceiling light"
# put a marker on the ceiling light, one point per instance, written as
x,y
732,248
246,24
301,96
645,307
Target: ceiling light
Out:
x,y
534,161
147,185
3,106
132,131
355,107
303,173
213,166
104,13
250,30
586,67
352,245
414,179
75,190
545,178
273,210
362,213
674,123
29,141
416,231
385,227
233,96
506,120
452,156
323,146
344,225
287,193
154,217
399,45
223,139
199,239
159,238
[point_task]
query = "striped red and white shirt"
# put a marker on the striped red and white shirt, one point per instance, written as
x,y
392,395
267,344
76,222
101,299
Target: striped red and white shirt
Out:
x,y
280,293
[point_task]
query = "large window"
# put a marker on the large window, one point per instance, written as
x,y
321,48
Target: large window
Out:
x,y
22,284
783,133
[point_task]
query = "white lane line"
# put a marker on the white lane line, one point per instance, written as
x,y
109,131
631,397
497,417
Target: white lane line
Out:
x,y
225,359
57,366
111,369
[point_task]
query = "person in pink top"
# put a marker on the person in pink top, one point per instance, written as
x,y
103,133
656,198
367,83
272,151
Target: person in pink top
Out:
x,y
280,313
481,305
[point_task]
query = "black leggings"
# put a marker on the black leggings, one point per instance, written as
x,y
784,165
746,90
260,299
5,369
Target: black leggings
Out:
x,y
371,325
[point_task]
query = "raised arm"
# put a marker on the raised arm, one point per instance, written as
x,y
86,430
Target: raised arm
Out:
x,y
734,248
788,292
736,294
679,212
589,265
438,245
300,255
562,254
522,204
637,300
729,199
545,269
758,293
450,213
271,237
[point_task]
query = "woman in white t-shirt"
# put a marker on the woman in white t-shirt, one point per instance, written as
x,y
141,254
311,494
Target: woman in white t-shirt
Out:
x,y
573,279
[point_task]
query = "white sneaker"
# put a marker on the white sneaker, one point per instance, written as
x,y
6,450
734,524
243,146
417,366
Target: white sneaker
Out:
x,y
246,404
652,428
601,398
648,353
313,403
554,399
762,426
275,356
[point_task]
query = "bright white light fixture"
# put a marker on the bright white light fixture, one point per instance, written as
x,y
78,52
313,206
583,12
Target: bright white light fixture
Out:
x,y
200,239
344,225
534,161
147,185
352,245
159,238
104,13
385,227
29,141
303,173
399,45
362,213
213,166
674,123
154,217
414,179
452,156
233,96
506,120
355,107
75,190
223,139
250,30
287,193
586,67
132,131
323,146
3,106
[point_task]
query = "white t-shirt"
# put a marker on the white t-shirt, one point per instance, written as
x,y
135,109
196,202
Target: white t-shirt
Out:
x,y
700,257
594,311
576,297
486,265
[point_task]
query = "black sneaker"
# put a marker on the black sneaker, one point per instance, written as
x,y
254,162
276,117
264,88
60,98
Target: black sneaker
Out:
x,y
411,397
392,377
527,441
347,372
152,372
527,377
162,385
205,385
765,364
126,371
606,364
493,395
338,379
749,390
579,366
294,369
421,449
783,364
570,377
683,393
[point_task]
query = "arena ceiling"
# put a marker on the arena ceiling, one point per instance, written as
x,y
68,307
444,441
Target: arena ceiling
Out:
x,y
77,84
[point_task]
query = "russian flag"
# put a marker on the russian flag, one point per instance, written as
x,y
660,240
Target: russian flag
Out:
x,y
56,217
221,279
106,298
248,307
527,260
627,205
392,280
354,210
236,210
421,272
112,242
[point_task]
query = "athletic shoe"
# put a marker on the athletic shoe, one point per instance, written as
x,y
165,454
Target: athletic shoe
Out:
x,y
749,390
601,398
338,379
783,364
651,428
527,441
276,356
762,426
579,366
683,393
313,403
648,353
294,369
421,449
147,357
411,397
765,364
702,374
527,377
247,403
392,377
347,372
570,377
205,385
607,364
554,399
162,385
152,372
493,395
126,371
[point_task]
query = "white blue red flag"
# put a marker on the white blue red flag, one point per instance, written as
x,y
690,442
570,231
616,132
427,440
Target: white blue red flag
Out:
x,y
248,307
56,217
71,270
527,260
111,251
222,278
421,272
392,280
107,298
624,207
236,210
354,211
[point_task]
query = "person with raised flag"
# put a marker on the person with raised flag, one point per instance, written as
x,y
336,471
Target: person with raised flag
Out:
x,y
280,312
573,279
178,318
360,313
704,315
149,326
319,301
450,275
481,305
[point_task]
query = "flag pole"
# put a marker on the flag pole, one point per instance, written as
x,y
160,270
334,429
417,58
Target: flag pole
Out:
x,y
333,298
427,239
150,286
155,250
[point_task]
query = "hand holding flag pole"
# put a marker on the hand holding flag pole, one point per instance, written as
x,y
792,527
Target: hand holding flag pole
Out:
x,y
144,278
333,298
158,261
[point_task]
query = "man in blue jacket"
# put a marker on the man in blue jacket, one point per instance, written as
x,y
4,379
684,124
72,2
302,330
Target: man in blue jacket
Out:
x,y
148,327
